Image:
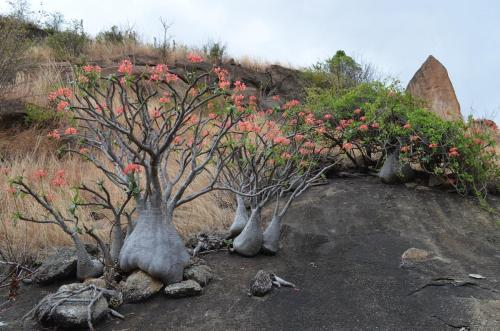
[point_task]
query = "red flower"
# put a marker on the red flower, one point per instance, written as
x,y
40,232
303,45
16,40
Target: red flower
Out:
x,y
357,111
193,58
62,105
453,152
328,117
70,131
347,146
433,145
291,103
54,134
375,125
362,118
407,126
363,127
40,173
125,67
239,86
405,149
132,168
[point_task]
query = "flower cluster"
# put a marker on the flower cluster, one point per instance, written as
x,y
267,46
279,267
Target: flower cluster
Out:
x,y
194,58
132,168
125,67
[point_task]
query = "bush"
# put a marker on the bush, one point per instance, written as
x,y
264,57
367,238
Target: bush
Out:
x,y
214,51
69,43
375,119
37,115
12,50
338,73
117,35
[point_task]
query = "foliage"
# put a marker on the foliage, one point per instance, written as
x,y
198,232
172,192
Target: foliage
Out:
x,y
116,35
374,119
338,73
214,51
39,115
68,43
12,50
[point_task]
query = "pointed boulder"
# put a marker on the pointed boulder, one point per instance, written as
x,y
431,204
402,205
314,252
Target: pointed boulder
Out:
x,y
432,84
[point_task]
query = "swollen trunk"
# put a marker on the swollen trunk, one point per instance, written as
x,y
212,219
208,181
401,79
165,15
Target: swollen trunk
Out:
x,y
155,247
249,241
271,237
86,266
240,217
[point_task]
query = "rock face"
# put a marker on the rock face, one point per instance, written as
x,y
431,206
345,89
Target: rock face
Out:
x,y
139,286
187,288
432,84
393,172
73,313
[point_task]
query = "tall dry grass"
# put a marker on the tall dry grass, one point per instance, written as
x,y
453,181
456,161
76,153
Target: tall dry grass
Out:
x,y
28,153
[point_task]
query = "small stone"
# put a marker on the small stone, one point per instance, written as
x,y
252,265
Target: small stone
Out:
x,y
435,181
97,282
421,188
416,255
411,185
139,286
476,276
186,288
261,284
202,274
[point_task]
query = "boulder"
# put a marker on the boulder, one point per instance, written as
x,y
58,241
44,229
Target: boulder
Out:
x,y
200,273
432,84
58,266
186,288
72,313
139,286
261,284
61,264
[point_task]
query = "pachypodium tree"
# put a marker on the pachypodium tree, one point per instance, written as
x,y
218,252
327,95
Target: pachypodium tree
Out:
x,y
50,191
152,134
274,152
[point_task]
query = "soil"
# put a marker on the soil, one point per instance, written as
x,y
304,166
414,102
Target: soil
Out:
x,y
342,246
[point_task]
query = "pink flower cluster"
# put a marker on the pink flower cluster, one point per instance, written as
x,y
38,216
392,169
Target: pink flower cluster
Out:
x,y
291,104
54,134
60,92
194,58
92,69
70,131
222,76
132,168
125,67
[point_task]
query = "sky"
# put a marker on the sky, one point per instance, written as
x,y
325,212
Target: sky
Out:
x,y
395,36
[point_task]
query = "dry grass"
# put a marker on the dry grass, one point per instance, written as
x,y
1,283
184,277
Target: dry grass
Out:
x,y
31,152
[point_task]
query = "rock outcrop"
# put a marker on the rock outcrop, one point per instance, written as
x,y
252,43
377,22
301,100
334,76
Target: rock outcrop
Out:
x,y
432,84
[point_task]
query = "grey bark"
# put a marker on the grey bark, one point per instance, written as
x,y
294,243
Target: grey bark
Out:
x,y
87,267
116,240
249,241
155,247
240,217
271,236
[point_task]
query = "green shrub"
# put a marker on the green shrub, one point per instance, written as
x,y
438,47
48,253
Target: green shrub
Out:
x,y
37,115
338,73
69,43
117,35
375,119
214,51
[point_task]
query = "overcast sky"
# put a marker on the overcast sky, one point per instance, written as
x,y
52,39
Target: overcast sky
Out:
x,y
395,36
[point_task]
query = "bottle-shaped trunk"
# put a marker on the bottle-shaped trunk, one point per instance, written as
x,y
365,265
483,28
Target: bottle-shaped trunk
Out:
x,y
249,241
271,237
240,217
87,267
155,247
116,240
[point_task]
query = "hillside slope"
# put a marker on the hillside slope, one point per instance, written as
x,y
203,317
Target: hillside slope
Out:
x,y
342,247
